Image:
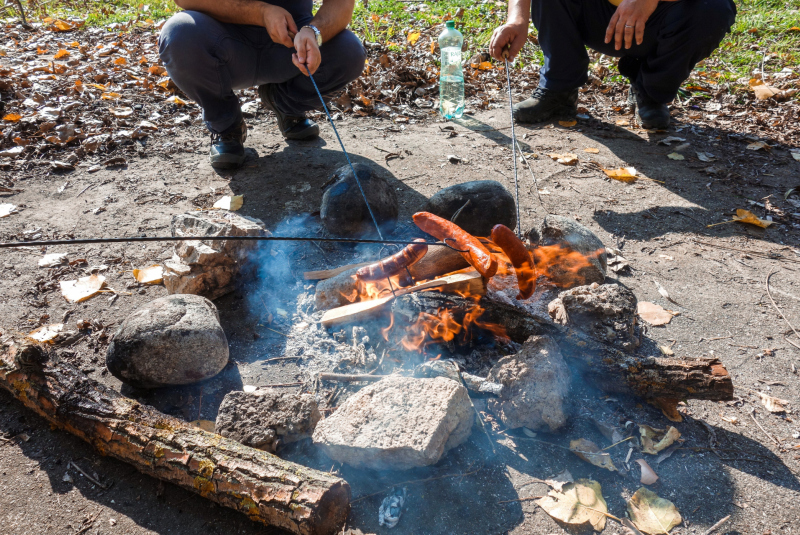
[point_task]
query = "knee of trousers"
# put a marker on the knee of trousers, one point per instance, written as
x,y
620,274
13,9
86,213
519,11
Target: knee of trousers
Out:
x,y
350,56
709,20
184,36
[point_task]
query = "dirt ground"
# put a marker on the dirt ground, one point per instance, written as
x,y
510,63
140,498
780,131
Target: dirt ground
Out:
x,y
737,459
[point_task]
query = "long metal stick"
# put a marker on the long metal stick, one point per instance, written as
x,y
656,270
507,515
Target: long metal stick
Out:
x,y
81,241
513,145
358,182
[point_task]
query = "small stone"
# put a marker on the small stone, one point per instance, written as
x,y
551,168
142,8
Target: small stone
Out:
x,y
344,212
485,203
263,418
607,312
173,340
397,423
535,386
563,231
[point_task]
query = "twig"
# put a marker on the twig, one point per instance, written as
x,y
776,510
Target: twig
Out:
x,y
760,254
775,440
281,358
280,333
84,189
618,443
529,498
281,384
766,282
414,481
715,526
349,378
556,445
87,476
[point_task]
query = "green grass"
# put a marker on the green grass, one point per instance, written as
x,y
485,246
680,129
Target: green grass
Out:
x,y
763,31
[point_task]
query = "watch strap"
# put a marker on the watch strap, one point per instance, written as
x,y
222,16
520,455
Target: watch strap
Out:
x,y
316,33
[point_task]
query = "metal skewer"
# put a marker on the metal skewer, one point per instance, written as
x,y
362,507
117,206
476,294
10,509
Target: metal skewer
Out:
x,y
513,142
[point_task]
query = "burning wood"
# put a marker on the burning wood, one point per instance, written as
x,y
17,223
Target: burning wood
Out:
x,y
264,487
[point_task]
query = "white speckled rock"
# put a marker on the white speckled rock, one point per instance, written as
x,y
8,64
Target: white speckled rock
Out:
x,y
398,423
173,340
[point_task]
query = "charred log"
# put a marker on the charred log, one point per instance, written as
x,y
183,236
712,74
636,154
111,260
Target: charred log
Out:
x,y
266,488
609,368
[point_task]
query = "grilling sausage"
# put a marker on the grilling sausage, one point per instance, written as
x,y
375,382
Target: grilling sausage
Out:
x,y
394,264
476,253
520,258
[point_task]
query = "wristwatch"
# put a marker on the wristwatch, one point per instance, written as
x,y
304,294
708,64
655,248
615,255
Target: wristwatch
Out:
x,y
316,32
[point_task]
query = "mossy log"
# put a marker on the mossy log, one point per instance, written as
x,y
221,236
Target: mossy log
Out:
x,y
266,488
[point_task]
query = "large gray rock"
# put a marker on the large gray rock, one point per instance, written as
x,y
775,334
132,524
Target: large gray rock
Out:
x,y
535,385
266,418
398,423
489,204
607,312
211,268
563,231
344,212
173,340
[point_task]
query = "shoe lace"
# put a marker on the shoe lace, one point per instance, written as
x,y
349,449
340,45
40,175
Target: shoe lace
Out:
x,y
539,92
232,134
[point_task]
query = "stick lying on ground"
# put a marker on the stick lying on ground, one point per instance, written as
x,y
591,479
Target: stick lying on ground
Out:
x,y
264,487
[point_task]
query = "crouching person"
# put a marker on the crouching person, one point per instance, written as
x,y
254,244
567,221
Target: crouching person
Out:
x,y
217,46
658,42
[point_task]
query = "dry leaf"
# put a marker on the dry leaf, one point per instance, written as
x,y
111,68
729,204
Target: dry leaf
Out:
x,y
122,112
757,145
651,514
149,275
623,174
623,122
46,333
670,139
579,503
796,156
591,453
559,480
52,259
110,96
413,37
12,117
653,314
648,474
568,124
762,90
592,150
773,404
705,157
7,209
61,54
83,288
745,216
230,203
13,152
675,156
649,435
205,425
174,99
564,159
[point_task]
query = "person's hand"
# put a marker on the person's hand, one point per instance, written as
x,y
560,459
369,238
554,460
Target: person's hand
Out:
x,y
507,40
628,22
279,24
307,55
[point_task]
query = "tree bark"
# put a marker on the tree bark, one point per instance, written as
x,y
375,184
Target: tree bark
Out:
x,y
266,488
609,368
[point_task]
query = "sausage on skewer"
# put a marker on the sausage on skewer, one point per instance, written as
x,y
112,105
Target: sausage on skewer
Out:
x,y
520,258
394,264
476,253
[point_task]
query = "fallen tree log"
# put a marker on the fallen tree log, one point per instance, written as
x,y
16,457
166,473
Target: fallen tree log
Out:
x,y
607,367
266,488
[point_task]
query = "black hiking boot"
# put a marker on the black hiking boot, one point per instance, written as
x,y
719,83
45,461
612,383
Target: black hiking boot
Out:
x,y
545,104
227,148
291,126
651,114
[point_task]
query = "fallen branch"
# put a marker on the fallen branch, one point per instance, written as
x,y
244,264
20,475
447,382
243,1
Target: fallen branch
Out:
x,y
266,488
753,416
710,530
87,476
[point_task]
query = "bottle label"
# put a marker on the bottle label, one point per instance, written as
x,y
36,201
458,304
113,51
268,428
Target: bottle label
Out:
x,y
451,57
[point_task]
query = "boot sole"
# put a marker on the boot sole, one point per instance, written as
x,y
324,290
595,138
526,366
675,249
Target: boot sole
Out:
x,y
559,114
226,162
311,132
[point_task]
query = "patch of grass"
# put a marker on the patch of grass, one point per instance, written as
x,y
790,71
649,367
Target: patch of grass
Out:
x,y
96,12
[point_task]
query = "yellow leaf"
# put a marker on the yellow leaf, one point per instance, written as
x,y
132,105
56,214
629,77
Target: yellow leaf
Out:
x,y
40,50
61,54
120,61
174,99
83,288
591,453
794,29
413,37
567,124
577,503
651,514
653,314
623,122
675,156
231,203
757,145
97,86
564,159
74,44
205,425
654,440
623,174
157,70
46,333
485,65
745,216
762,90
592,150
433,46
62,26
149,275
110,96
12,117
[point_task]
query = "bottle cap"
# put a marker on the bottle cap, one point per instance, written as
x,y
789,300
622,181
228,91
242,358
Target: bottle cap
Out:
x,y
450,24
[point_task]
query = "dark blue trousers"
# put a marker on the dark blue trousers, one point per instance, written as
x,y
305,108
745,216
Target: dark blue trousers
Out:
x,y
677,36
208,59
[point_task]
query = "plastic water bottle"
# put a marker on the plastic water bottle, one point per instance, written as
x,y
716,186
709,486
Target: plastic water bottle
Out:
x,y
451,77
